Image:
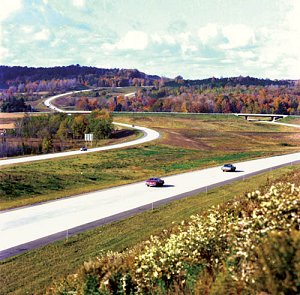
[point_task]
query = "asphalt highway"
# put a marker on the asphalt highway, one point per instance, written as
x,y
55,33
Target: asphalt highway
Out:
x,y
149,135
29,227
56,219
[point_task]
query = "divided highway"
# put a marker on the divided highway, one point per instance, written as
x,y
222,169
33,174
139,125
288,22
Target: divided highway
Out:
x,y
59,218
25,228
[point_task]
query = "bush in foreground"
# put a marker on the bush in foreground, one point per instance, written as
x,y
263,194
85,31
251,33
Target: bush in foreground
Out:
x,y
247,246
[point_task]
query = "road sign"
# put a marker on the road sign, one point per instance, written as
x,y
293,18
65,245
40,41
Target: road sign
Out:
x,y
88,137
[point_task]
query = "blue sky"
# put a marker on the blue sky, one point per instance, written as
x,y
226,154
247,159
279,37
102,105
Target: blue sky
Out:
x,y
192,38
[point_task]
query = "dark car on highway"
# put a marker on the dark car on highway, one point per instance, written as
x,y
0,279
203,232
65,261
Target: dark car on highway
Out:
x,y
228,168
83,149
154,181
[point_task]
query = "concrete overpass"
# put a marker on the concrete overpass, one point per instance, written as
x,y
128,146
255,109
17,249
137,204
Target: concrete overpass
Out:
x,y
272,117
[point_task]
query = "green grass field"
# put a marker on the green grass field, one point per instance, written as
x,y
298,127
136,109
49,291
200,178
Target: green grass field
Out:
x,y
187,142
35,270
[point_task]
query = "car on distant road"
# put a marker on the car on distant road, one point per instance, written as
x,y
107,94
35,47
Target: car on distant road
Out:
x,y
83,149
154,181
228,168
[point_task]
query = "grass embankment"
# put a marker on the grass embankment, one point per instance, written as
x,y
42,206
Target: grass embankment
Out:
x,y
249,245
31,272
188,142
290,120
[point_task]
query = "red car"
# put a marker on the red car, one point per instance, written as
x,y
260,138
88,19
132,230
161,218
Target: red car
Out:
x,y
228,168
155,181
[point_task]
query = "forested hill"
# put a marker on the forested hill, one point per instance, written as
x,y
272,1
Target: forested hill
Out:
x,y
232,81
92,76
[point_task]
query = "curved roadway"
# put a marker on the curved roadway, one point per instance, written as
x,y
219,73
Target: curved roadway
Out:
x,y
149,135
25,228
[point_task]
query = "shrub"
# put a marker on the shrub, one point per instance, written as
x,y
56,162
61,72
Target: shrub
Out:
x,y
249,245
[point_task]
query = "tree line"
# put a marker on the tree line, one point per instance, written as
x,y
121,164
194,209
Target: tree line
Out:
x,y
228,99
29,79
61,126
54,132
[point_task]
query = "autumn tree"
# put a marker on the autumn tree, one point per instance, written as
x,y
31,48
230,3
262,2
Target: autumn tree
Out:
x,y
100,124
63,130
79,126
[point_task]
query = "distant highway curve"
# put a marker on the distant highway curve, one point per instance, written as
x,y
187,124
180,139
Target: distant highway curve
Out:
x,y
149,135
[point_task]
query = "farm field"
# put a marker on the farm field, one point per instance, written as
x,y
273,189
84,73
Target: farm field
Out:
x,y
188,142
7,119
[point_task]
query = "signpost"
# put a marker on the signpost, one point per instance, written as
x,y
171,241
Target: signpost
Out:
x,y
3,146
88,137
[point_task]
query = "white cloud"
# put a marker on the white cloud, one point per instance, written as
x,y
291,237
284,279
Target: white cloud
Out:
x,y
163,38
8,7
240,54
42,35
208,33
238,35
186,43
79,3
27,29
3,53
133,40
293,41
55,42
279,54
183,40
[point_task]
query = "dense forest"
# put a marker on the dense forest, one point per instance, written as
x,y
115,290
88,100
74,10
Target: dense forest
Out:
x,y
231,81
194,99
40,79
22,85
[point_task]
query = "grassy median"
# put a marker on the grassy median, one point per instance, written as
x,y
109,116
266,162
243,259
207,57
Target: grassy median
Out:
x,y
187,142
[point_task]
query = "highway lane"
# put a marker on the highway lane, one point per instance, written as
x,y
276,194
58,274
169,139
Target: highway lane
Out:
x,y
149,135
21,226
278,123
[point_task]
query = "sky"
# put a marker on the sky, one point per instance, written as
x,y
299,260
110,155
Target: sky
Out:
x,y
192,38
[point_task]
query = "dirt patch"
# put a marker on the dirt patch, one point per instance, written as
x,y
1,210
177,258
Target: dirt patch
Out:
x,y
7,126
7,120
11,115
179,139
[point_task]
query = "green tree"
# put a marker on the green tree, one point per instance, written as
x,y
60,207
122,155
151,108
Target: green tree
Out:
x,y
63,130
100,124
79,125
46,145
